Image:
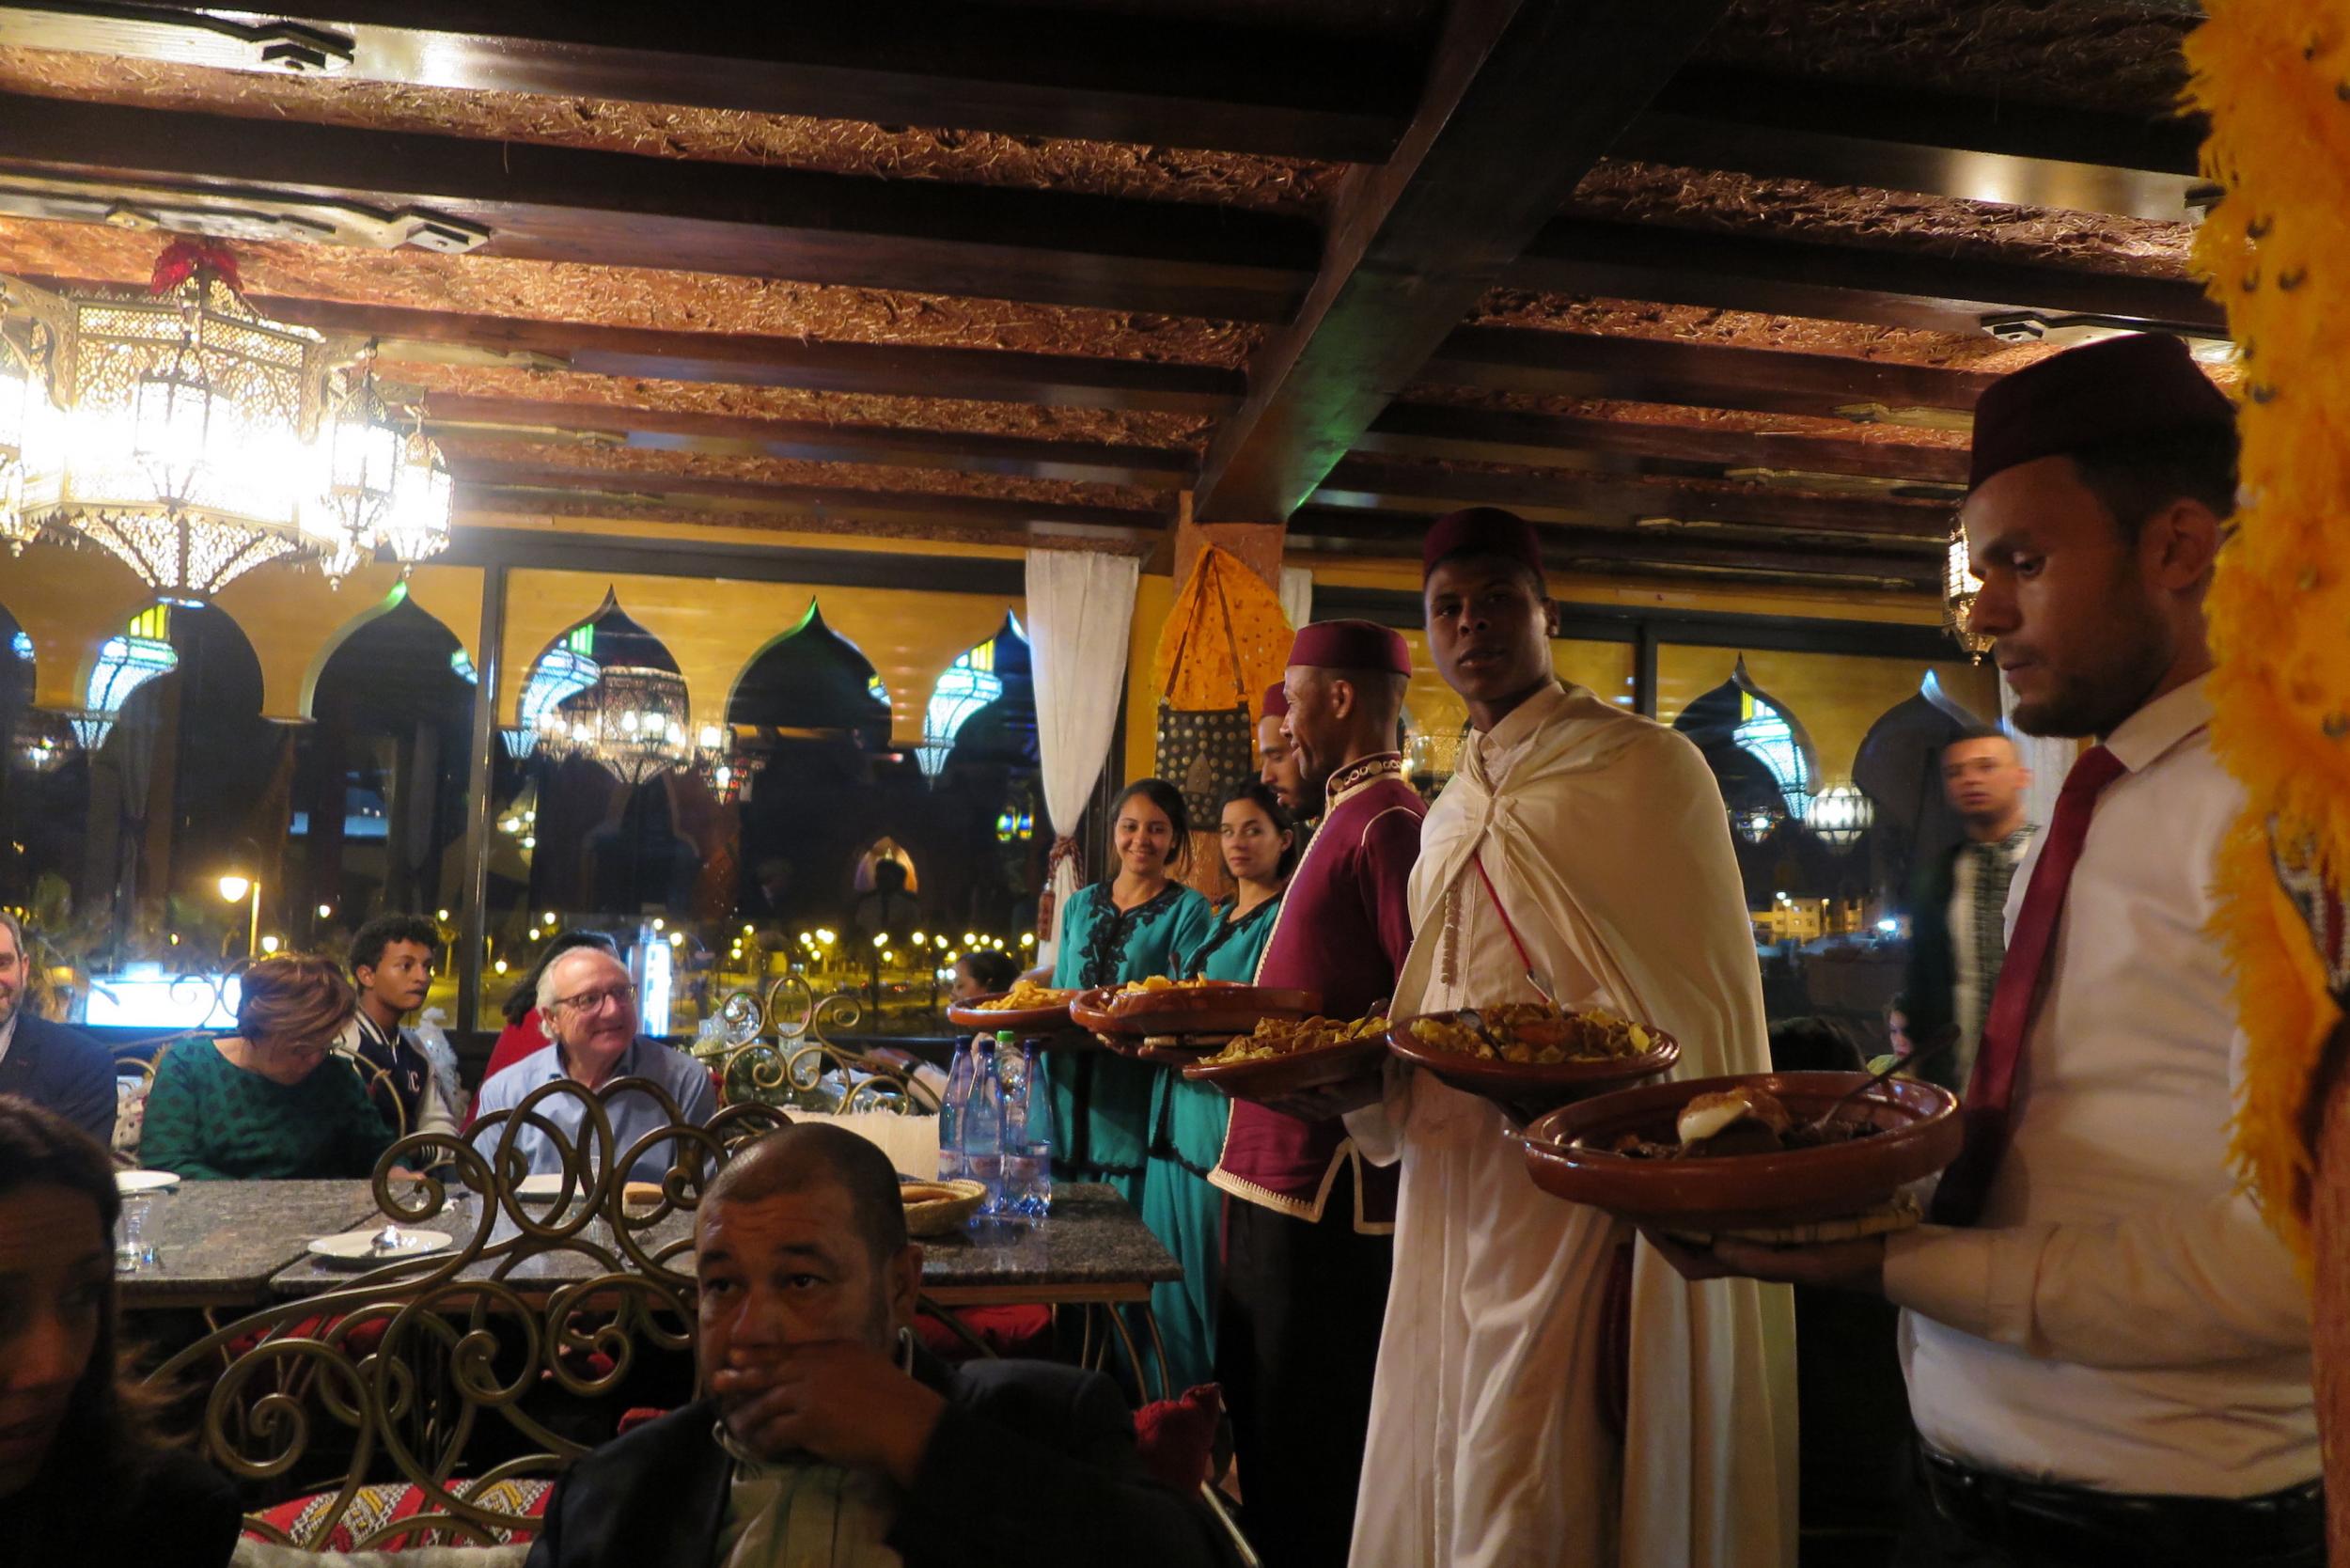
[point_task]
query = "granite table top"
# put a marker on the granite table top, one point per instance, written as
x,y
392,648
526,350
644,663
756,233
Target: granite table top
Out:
x,y
218,1243
1093,1247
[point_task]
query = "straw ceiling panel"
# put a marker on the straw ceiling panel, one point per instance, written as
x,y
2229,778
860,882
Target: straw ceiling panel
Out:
x,y
2119,56
620,465
638,297
1716,201
1125,427
669,130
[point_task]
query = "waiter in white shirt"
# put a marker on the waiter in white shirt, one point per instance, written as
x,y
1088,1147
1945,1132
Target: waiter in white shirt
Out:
x,y
2108,1351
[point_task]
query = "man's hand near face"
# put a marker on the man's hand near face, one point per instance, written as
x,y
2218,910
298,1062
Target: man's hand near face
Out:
x,y
836,1399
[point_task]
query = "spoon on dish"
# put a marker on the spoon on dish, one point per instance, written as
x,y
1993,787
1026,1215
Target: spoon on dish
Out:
x,y
1945,1041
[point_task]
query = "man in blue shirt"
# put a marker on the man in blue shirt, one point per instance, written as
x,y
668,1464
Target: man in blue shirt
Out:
x,y
57,1068
588,1006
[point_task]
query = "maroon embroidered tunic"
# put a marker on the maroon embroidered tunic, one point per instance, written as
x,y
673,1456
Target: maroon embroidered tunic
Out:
x,y
1343,930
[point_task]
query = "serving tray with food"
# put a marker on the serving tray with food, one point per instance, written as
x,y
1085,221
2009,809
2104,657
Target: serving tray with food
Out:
x,y
1775,1156
1530,1053
1029,1010
1282,1057
1190,1015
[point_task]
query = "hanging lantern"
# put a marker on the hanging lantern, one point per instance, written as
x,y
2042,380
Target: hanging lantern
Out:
x,y
1840,814
631,721
180,436
424,500
1959,588
1755,823
44,742
23,400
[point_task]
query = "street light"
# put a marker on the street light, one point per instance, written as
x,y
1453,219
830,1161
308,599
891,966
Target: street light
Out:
x,y
234,888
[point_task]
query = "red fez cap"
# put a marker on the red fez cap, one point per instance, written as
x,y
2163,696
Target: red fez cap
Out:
x,y
2144,384
1277,700
1352,645
1484,531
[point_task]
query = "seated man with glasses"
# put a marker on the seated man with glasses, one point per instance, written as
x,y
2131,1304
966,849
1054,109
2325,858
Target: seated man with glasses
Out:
x,y
588,1008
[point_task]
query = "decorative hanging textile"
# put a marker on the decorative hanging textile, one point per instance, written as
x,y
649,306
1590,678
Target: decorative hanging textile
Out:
x,y
2273,76
1081,613
1223,644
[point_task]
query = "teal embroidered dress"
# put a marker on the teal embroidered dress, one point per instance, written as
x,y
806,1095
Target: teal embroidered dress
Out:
x,y
1101,1103
209,1120
1187,1122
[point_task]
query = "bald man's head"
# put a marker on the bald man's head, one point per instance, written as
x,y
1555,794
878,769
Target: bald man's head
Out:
x,y
802,1158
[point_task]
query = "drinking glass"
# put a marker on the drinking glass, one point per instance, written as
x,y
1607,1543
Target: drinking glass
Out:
x,y
133,1250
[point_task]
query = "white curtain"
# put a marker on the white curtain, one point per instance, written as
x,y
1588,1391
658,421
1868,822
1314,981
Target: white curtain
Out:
x,y
2049,756
1297,596
1081,611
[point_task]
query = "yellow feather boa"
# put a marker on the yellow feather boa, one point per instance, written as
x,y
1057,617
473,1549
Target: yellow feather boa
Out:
x,y
2273,76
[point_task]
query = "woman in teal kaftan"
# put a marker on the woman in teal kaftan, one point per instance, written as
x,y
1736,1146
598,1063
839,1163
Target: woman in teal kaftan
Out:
x,y
1188,1119
1128,927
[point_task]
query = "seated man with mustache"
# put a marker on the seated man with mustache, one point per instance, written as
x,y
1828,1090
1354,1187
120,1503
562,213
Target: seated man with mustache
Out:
x,y
829,1436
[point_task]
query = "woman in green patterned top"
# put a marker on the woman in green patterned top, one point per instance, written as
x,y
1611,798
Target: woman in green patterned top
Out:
x,y
1188,1119
266,1101
1128,927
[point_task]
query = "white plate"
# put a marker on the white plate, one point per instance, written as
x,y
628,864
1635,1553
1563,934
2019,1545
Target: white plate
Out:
x,y
130,1182
358,1246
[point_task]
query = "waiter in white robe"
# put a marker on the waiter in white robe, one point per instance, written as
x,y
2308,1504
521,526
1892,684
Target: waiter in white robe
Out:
x,y
1549,1391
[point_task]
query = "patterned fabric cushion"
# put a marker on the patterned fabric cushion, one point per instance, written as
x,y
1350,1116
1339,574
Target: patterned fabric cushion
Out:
x,y
373,1507
130,1115
256,1553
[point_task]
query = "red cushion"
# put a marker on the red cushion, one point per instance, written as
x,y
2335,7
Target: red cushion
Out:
x,y
361,1341
1177,1436
1009,1331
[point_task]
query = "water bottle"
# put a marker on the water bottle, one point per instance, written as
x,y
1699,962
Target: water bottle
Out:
x,y
1028,1171
982,1128
950,1110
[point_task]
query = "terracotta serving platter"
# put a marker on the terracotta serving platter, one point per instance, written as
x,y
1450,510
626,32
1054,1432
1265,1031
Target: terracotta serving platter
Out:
x,y
1277,1078
1029,1022
1215,1009
1919,1132
1514,1084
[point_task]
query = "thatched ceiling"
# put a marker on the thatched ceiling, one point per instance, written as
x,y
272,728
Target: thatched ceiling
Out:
x,y
571,373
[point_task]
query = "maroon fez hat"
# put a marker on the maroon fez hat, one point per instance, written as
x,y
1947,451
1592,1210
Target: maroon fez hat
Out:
x,y
1352,645
1485,531
2144,384
1277,700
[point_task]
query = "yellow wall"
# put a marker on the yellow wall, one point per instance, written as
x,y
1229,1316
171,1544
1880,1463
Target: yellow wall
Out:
x,y
715,628
1835,696
70,601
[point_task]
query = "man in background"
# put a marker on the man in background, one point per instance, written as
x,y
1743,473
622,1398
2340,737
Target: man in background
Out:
x,y
57,1068
1958,918
391,964
587,1003
1281,772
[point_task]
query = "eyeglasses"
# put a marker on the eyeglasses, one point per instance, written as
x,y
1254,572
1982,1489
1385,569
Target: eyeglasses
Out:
x,y
593,1001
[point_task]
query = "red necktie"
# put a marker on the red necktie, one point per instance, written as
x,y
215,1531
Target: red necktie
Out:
x,y
1991,1087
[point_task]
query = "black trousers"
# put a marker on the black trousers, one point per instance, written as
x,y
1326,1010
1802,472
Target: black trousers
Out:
x,y
1975,1519
1297,1340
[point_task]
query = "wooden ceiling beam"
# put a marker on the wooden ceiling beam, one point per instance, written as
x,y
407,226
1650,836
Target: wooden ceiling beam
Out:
x,y
1371,485
1092,74
1693,374
748,359
1914,139
510,486
811,440
623,209
1338,531
1523,96
1506,435
1841,283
